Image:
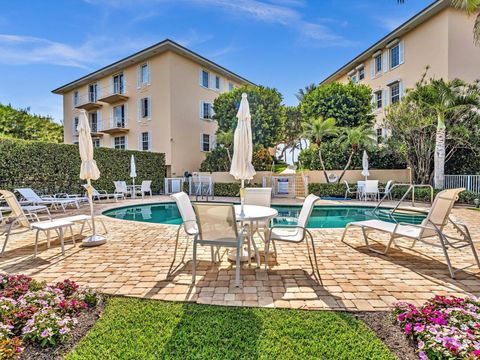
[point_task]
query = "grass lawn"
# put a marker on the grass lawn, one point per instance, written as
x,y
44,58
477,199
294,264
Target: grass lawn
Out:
x,y
148,329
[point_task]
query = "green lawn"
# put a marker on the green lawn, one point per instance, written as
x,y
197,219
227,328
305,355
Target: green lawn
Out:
x,y
148,329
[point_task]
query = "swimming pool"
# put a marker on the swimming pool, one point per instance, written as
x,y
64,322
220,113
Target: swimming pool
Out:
x,y
323,216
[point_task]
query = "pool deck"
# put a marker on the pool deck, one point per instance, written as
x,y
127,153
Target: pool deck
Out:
x,y
138,257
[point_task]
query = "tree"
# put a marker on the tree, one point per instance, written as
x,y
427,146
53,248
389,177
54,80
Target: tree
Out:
x,y
444,98
471,7
304,91
225,140
20,124
355,138
349,104
317,129
268,115
293,132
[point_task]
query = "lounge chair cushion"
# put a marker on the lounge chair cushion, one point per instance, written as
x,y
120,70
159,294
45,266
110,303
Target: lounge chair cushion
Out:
x,y
402,230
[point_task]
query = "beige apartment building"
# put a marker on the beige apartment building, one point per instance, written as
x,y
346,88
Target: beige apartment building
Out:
x,y
439,36
158,99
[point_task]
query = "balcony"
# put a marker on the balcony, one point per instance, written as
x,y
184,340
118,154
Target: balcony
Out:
x,y
95,129
114,93
117,126
88,102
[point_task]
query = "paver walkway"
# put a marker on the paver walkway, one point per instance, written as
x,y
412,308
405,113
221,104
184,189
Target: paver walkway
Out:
x,y
138,256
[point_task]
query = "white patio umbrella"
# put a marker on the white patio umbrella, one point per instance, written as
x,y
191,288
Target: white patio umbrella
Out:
x,y
242,168
365,165
133,174
88,171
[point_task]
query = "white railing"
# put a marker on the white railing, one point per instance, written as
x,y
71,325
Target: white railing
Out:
x,y
173,185
89,97
94,127
118,123
201,186
469,182
113,89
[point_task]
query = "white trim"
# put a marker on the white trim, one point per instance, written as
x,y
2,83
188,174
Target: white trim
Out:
x,y
392,43
209,142
201,78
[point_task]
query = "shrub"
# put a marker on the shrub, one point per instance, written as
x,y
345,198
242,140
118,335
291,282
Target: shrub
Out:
x,y
443,328
327,190
262,160
230,189
55,168
217,160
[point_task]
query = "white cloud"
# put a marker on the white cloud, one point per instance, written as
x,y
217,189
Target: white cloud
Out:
x,y
389,23
193,37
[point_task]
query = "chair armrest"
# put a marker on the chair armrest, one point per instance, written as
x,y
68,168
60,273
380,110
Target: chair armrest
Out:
x,y
104,192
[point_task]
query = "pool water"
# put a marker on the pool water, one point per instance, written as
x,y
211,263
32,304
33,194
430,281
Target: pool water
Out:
x,y
323,216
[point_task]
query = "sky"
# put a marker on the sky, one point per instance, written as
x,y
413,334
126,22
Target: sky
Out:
x,y
286,44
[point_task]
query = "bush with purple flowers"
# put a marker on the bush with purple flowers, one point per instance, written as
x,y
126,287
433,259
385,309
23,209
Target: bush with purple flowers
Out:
x,y
443,327
32,312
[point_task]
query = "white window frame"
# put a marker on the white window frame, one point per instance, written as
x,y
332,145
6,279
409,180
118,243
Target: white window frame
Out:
x,y
141,142
76,98
231,87
75,123
379,135
202,73
140,80
202,143
390,94
215,79
376,72
141,108
361,71
125,115
401,54
202,111
376,100
96,140
125,142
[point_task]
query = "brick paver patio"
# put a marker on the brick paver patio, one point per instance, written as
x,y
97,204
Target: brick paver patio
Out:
x,y
138,256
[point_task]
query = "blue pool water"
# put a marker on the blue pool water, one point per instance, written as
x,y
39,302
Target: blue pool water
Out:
x,y
323,216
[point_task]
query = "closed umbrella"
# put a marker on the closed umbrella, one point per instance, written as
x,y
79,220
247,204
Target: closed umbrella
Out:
x,y
88,171
133,174
242,168
365,171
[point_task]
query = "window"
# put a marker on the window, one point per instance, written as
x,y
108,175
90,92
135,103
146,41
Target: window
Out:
x,y
206,110
93,122
378,99
379,135
205,76
96,143
118,87
394,92
217,82
205,144
378,64
145,107
353,78
361,73
75,124
92,92
120,142
230,86
395,56
145,141
119,116
143,74
76,98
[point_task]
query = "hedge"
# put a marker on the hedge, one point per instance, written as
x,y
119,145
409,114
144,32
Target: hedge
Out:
x,y
55,168
421,194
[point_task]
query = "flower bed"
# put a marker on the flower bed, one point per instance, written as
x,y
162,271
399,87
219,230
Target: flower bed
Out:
x,y
443,328
36,313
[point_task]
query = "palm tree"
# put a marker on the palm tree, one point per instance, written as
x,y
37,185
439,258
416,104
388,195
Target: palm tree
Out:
x,y
225,139
317,129
470,7
444,98
355,138
302,92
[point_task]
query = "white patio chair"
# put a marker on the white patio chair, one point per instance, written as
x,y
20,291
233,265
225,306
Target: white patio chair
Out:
x,y
189,220
260,197
387,192
370,191
103,194
349,191
32,197
360,189
25,222
296,233
121,188
217,226
431,227
145,188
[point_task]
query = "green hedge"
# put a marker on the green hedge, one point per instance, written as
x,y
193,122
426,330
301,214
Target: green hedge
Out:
x,y
421,194
55,168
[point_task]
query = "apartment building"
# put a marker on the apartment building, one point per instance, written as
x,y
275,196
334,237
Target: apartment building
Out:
x,y
158,99
439,36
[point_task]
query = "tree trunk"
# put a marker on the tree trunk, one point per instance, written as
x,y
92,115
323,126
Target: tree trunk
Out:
x,y
439,156
229,156
323,166
346,166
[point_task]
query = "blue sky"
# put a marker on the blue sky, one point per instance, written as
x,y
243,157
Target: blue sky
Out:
x,y
285,44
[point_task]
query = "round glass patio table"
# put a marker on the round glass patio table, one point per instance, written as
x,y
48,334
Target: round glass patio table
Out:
x,y
251,214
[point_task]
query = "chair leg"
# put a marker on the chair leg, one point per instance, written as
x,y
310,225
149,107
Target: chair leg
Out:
x,y
48,239
314,268
345,233
62,242
267,249
237,266
36,244
7,236
445,253
194,262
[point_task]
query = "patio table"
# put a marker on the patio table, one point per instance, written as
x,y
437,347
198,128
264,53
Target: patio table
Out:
x,y
132,189
252,213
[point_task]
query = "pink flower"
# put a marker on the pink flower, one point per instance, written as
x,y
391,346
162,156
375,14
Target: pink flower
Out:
x,y
419,327
422,355
408,328
45,333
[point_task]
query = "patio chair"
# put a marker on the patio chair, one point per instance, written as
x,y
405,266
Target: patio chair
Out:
x,y
189,220
370,191
121,188
32,197
431,227
387,192
296,233
217,226
146,188
103,194
260,197
25,222
349,191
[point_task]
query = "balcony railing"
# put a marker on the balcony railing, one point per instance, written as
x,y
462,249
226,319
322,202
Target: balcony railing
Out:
x,y
116,125
95,128
114,93
88,101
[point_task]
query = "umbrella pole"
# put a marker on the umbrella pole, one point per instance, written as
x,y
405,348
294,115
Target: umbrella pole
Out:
x,y
90,199
242,198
